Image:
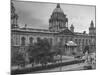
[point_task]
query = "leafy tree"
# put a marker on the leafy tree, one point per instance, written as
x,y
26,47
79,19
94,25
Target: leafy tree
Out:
x,y
39,50
86,49
59,47
17,58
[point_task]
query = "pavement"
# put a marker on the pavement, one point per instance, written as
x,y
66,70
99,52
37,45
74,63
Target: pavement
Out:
x,y
64,59
63,68
66,68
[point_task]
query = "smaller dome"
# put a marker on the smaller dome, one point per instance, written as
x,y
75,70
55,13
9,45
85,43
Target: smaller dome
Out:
x,y
92,24
72,26
71,43
58,9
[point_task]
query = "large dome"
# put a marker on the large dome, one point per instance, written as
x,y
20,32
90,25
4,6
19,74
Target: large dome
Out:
x,y
58,9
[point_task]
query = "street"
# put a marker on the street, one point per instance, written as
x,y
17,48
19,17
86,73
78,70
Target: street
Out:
x,y
66,68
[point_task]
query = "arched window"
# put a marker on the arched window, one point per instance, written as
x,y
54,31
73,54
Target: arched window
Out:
x,y
23,41
75,40
50,41
31,40
86,41
79,41
89,41
38,39
83,41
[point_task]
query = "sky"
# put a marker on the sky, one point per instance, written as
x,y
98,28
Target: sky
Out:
x,y
37,14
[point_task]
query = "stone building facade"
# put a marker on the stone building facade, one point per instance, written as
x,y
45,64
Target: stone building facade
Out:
x,y
58,32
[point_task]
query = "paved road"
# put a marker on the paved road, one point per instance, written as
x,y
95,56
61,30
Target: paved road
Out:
x,y
29,65
66,68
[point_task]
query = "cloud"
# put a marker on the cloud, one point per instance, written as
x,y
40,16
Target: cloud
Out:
x,y
36,14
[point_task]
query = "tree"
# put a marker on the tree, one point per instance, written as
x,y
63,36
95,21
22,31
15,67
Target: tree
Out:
x,y
39,50
17,58
86,49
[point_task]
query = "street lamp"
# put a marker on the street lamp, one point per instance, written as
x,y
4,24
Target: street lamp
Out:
x,y
61,60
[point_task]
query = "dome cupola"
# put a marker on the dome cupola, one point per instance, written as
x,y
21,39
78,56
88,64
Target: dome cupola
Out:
x,y
57,21
92,29
58,9
72,28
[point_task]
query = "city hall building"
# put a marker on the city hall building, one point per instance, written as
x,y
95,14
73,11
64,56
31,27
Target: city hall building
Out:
x,y
58,32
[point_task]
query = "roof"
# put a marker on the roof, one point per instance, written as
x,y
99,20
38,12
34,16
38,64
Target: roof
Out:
x,y
66,32
32,30
71,43
85,34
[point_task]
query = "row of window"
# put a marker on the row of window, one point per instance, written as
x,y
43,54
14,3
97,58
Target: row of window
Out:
x,y
83,41
23,40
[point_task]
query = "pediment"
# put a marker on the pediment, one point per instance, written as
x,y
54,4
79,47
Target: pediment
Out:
x,y
66,32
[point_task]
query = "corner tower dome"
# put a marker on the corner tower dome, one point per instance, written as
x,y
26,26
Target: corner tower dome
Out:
x,y
58,9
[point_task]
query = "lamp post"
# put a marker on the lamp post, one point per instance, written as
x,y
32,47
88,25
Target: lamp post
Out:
x,y
60,48
60,60
60,53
